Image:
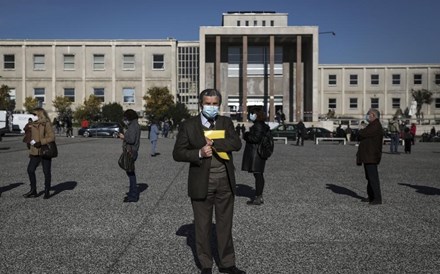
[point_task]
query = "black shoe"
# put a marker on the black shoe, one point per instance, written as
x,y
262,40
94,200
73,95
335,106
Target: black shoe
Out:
x,y
364,200
206,271
31,194
375,202
46,194
231,270
130,200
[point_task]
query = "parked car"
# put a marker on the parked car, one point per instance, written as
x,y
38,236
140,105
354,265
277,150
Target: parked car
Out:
x,y
107,129
285,130
312,132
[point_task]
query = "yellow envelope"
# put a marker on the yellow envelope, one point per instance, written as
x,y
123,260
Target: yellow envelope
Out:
x,y
215,134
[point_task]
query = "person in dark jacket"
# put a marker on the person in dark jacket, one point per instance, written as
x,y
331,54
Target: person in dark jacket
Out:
x,y
301,133
252,162
369,154
131,141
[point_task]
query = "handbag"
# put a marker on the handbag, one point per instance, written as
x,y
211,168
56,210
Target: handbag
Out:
x,y
49,150
126,161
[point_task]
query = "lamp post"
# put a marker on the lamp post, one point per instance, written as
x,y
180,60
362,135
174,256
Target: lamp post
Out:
x,y
328,32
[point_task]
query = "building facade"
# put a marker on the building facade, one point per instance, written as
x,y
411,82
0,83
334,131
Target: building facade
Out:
x,y
254,58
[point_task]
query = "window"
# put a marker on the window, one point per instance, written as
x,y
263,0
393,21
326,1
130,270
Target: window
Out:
x,y
39,94
158,61
353,80
38,62
255,23
437,79
417,79
374,102
396,102
332,103
272,23
353,103
9,61
128,95
70,94
98,62
375,79
238,23
128,62
69,62
246,23
437,102
396,79
99,93
263,23
12,94
332,80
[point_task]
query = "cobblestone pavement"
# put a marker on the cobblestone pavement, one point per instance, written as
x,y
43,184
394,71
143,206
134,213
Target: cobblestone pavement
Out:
x,y
312,220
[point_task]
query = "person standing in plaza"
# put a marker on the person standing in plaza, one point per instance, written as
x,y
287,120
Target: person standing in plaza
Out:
x,y
41,134
154,135
348,132
413,131
370,153
252,161
211,180
131,142
394,129
301,133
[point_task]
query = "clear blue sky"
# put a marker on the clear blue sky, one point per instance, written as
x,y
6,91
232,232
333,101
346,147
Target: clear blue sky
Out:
x,y
367,31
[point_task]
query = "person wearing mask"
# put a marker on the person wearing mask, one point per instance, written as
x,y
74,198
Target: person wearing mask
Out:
x,y
131,142
41,134
252,161
369,154
211,180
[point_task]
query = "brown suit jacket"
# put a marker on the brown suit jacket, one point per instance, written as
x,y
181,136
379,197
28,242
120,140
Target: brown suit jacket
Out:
x,y
191,139
371,142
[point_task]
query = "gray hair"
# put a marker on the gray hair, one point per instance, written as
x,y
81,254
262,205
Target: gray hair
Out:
x,y
210,92
375,112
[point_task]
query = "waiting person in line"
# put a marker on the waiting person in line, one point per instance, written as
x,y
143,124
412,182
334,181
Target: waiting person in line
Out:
x,y
252,162
154,135
301,133
394,129
211,180
348,132
369,154
413,131
340,133
131,141
407,137
41,134
69,126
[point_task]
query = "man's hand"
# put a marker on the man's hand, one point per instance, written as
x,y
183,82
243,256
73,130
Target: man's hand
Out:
x,y
37,144
209,142
206,151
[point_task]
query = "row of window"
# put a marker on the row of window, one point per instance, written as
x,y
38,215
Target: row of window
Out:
x,y
374,79
255,23
128,94
374,103
128,61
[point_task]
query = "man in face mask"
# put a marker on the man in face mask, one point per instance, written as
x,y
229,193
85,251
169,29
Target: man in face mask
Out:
x,y
211,180
369,154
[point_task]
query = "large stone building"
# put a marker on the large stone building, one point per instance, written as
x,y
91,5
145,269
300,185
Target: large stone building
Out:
x,y
254,58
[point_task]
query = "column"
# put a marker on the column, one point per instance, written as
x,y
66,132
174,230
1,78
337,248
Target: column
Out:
x,y
54,67
218,63
244,79
271,78
298,80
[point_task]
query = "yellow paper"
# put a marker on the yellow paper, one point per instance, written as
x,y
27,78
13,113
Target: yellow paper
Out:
x,y
215,134
222,155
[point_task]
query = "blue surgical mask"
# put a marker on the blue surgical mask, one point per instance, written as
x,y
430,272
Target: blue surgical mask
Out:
x,y
126,122
210,112
252,117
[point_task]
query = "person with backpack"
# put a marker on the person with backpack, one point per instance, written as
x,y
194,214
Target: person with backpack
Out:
x,y
256,145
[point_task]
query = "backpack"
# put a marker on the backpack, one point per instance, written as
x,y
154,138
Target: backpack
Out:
x,y
265,147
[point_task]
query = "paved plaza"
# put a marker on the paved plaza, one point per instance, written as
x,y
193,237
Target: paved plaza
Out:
x,y
312,221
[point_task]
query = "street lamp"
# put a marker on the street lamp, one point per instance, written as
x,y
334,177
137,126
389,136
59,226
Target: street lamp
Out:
x,y
328,32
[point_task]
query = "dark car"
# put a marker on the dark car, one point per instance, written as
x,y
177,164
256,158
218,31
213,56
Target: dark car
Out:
x,y
104,129
312,132
285,130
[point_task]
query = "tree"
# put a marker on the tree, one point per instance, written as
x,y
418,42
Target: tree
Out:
x,y
5,99
112,112
30,103
62,104
159,101
422,96
178,112
90,110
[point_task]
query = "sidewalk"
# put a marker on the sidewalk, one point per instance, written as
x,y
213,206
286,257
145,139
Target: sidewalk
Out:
x,y
312,220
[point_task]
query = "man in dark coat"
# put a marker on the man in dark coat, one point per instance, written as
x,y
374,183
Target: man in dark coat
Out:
x,y
301,128
211,180
370,153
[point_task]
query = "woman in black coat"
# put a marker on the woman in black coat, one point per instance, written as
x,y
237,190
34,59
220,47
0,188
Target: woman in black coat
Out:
x,y
252,162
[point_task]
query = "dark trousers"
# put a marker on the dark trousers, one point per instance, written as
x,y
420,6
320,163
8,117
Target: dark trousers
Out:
x,y
259,184
373,186
298,139
34,161
221,199
132,190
